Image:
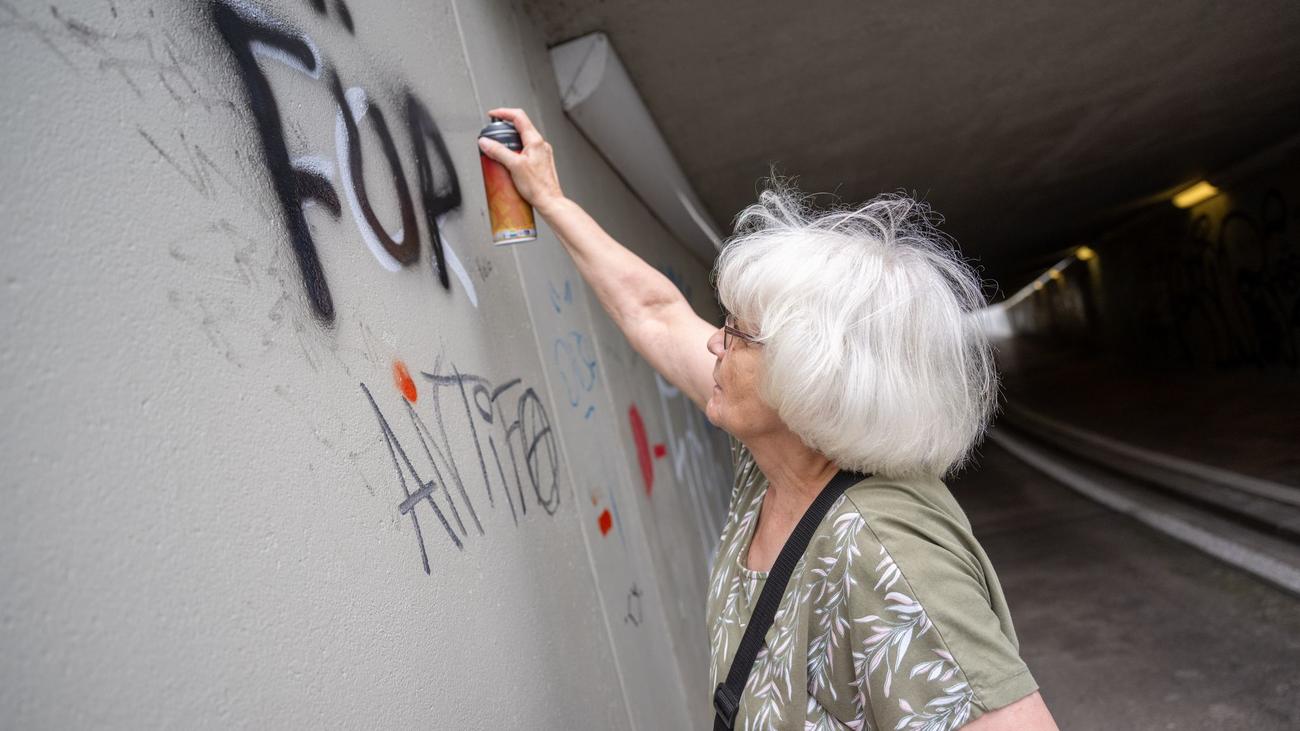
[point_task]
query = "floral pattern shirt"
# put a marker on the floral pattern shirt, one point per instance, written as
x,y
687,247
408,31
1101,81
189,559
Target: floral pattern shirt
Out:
x,y
893,619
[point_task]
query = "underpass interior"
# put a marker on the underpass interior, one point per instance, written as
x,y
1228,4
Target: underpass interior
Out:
x,y
1127,177
290,438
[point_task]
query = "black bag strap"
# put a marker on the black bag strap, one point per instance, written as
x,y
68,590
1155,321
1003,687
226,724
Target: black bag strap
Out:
x,y
726,698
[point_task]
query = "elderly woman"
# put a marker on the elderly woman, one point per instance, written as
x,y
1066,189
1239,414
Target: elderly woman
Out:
x,y
847,349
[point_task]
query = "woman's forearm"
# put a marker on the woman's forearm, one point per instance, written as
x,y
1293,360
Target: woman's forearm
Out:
x,y
628,288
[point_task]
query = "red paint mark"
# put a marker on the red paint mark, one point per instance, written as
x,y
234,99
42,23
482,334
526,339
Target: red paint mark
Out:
x,y
606,522
660,451
642,448
402,378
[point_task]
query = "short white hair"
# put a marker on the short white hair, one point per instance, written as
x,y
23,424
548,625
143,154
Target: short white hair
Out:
x,y
871,354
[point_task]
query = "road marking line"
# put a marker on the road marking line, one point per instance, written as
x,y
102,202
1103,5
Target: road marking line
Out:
x,y
1248,559
1254,485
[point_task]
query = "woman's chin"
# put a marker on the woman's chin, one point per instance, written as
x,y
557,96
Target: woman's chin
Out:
x,y
711,409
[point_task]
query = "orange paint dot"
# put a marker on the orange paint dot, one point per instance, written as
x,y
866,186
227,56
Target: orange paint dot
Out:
x,y
402,378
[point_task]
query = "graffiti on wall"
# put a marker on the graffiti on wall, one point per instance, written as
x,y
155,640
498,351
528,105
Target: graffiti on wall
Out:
x,y
698,465
1220,287
255,38
641,440
635,615
516,455
1237,287
604,506
574,356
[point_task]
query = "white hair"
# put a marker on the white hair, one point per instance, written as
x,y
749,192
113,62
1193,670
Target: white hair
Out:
x,y
871,356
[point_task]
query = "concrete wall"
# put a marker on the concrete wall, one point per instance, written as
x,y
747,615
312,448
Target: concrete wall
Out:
x,y
286,441
1215,286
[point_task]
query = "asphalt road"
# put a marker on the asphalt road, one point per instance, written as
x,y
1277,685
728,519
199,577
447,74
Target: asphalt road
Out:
x,y
1123,627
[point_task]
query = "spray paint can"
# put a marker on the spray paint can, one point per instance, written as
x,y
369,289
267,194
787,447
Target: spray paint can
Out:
x,y
511,216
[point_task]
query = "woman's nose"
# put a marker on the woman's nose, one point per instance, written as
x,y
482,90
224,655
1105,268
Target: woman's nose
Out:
x,y
715,343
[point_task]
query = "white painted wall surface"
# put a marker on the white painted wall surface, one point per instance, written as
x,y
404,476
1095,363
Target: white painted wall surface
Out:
x,y
203,522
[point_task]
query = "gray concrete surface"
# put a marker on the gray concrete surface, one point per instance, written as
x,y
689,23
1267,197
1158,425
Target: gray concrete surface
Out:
x,y
1123,627
269,463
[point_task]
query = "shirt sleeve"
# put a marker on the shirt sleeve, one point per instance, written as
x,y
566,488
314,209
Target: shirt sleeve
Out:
x,y
929,650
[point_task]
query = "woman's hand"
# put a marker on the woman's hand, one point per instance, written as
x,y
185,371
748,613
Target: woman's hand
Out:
x,y
533,168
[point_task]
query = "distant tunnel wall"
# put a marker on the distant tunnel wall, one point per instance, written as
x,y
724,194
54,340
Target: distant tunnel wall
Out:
x,y
1215,286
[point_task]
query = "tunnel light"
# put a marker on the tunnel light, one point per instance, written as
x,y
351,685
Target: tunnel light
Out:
x,y
1083,253
1189,197
1053,273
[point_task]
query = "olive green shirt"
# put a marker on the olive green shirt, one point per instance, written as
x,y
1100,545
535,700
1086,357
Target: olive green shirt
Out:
x,y
893,619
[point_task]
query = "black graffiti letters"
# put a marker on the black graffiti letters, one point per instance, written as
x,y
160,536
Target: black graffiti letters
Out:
x,y
341,8
253,37
440,194
402,463
389,249
515,450
543,468
243,35
530,430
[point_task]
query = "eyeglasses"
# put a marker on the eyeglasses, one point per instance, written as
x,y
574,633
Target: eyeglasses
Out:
x,y
729,332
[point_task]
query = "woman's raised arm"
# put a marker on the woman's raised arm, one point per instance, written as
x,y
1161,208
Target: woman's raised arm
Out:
x,y
646,306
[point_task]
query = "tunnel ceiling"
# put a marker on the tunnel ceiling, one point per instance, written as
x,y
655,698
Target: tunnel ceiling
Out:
x,y
1028,126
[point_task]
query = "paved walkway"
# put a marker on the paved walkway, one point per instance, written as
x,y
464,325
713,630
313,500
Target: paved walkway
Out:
x,y
1245,421
1124,627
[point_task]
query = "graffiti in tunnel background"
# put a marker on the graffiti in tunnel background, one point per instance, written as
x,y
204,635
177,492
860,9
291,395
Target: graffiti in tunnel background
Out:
x,y
1236,288
254,37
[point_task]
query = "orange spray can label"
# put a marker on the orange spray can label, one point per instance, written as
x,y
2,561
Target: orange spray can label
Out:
x,y
511,216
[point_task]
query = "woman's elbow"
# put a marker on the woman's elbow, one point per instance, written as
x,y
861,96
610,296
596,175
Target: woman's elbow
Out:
x,y
1027,714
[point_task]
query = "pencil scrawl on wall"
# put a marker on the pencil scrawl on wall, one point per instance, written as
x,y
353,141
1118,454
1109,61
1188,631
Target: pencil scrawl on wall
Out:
x,y
515,449
634,613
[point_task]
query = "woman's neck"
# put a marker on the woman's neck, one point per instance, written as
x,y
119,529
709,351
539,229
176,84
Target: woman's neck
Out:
x,y
795,472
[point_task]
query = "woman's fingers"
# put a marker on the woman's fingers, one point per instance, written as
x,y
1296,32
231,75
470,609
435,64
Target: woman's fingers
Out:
x,y
497,151
533,168
528,134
